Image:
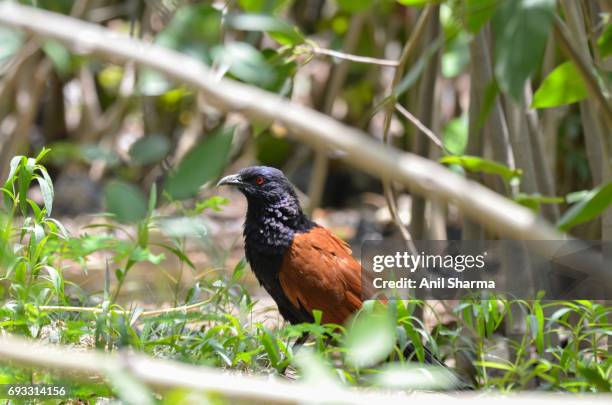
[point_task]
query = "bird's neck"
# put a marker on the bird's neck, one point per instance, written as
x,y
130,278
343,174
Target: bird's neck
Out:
x,y
269,228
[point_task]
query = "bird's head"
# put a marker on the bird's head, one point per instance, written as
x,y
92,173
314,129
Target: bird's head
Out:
x,y
262,185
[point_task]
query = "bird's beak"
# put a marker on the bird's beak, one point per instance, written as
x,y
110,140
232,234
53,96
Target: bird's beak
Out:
x,y
231,180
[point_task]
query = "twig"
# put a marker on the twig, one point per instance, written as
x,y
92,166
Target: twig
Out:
x,y
354,58
144,314
430,134
426,177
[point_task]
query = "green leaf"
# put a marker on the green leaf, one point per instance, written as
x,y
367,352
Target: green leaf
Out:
x,y
534,201
279,30
455,135
60,57
262,6
193,30
594,377
537,329
149,149
46,189
604,42
521,30
494,364
564,85
594,203
355,6
125,200
370,338
417,3
478,12
481,165
203,163
245,63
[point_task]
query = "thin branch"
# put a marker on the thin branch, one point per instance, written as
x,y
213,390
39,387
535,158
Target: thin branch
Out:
x,y
423,176
430,134
354,58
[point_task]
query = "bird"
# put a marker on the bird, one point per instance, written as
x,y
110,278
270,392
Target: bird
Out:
x,y
302,265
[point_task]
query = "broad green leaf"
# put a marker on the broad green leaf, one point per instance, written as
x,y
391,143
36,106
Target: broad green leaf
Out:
x,y
93,152
125,200
455,135
354,6
279,30
60,57
521,30
193,30
593,204
564,85
149,149
370,338
478,164
203,163
604,42
245,63
478,12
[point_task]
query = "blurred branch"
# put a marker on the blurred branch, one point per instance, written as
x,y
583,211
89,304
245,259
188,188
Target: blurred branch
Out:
x,y
167,375
164,374
423,176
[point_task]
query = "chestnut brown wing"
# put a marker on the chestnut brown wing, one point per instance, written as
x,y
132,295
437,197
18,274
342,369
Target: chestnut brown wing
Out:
x,y
318,272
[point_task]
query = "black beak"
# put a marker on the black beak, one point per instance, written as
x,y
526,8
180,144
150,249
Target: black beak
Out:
x,y
232,180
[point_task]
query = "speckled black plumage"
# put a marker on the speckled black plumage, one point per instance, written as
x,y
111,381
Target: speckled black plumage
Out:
x,y
273,217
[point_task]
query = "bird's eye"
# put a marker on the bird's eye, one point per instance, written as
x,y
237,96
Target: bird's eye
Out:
x,y
259,181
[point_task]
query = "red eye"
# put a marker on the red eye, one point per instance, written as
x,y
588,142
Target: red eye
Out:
x,y
259,181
